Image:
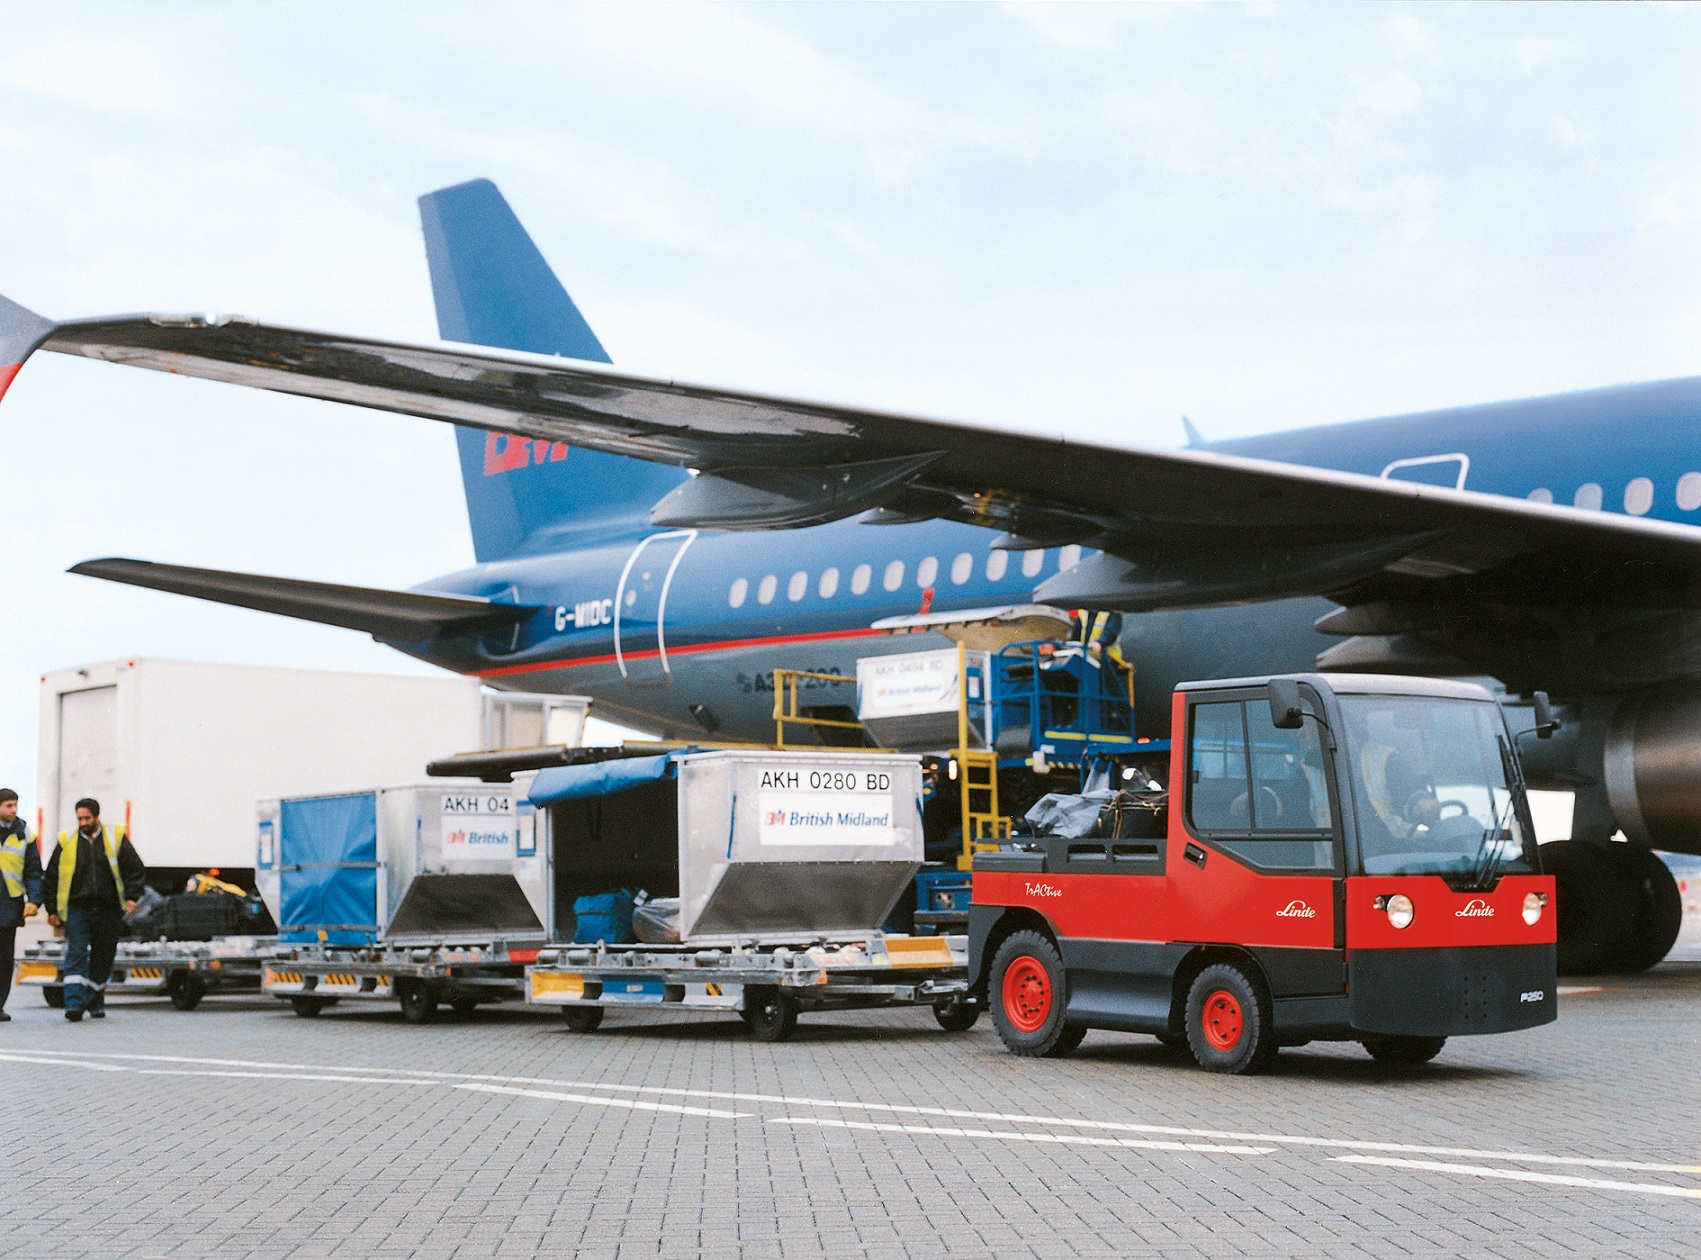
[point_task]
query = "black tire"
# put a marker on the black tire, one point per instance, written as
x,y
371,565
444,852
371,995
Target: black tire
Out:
x,y
1028,992
186,989
1395,1050
54,996
582,1019
769,1013
957,1013
1658,906
418,1000
1229,1028
1594,905
308,1007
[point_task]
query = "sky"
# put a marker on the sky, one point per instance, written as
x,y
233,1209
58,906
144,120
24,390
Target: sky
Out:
x,y
1086,218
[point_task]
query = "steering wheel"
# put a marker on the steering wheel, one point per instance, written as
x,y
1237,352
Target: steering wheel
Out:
x,y
1269,804
1444,806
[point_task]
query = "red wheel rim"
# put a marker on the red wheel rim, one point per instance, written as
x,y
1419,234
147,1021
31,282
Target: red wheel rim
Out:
x,y
1221,1020
1027,994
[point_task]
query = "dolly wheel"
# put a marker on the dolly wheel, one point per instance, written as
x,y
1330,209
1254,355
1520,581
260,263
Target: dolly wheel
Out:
x,y
186,989
418,1000
770,1014
1393,1050
54,996
1228,1021
956,1013
1029,994
307,1007
582,1019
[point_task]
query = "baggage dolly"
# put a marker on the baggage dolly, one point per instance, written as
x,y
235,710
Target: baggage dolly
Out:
x,y
184,971
767,984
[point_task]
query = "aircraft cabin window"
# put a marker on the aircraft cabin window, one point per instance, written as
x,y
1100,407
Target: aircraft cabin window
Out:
x,y
1032,563
996,563
1639,496
926,572
765,592
735,597
1588,496
962,568
894,575
1689,491
829,583
798,587
1068,557
859,579
1540,495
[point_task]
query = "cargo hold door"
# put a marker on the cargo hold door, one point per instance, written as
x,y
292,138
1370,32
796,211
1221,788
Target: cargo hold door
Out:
x,y
640,606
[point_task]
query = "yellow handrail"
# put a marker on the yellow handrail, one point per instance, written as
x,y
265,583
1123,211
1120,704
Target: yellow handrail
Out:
x,y
785,689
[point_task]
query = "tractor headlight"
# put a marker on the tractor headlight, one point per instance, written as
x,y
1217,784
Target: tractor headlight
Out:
x,y
1533,903
1400,910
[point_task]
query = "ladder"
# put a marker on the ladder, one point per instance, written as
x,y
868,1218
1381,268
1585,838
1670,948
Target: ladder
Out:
x,y
977,777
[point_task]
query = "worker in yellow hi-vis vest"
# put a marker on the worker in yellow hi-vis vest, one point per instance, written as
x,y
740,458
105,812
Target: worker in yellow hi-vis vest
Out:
x,y
20,886
93,877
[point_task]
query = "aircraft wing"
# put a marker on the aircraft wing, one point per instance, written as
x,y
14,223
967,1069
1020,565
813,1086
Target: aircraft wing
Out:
x,y
398,616
1176,528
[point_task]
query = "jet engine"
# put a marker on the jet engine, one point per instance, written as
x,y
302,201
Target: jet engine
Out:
x,y
1652,767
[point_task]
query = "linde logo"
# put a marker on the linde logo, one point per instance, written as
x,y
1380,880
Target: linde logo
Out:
x,y
1296,910
1044,890
1475,908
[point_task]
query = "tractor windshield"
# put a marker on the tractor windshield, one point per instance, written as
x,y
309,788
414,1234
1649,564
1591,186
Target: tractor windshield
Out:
x,y
1436,789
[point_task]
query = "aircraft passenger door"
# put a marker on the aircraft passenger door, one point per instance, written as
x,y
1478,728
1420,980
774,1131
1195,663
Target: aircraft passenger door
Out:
x,y
640,606
1432,470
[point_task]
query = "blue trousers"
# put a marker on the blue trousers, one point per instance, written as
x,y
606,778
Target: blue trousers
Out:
x,y
91,942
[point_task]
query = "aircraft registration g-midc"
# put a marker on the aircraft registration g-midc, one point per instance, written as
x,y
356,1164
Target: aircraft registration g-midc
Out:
x,y
664,546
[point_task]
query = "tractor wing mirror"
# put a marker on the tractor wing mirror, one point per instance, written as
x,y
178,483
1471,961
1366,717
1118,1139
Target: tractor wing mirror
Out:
x,y
1546,723
1286,711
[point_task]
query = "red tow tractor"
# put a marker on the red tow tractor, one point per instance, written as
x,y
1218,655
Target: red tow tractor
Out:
x,y
1337,857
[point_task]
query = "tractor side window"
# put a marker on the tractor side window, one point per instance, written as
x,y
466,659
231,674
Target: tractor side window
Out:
x,y
1289,792
1218,792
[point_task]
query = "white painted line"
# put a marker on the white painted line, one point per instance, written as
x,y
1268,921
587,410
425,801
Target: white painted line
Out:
x,y
1519,1174
1065,1139
57,1062
378,1074
1571,990
285,1076
607,1102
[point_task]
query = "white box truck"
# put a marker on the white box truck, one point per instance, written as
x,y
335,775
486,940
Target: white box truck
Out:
x,y
185,748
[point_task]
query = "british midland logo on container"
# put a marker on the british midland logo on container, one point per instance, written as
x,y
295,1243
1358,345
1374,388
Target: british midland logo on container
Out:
x,y
1296,910
1475,908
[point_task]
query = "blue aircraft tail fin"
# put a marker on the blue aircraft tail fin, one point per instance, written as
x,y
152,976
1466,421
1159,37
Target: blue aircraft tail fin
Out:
x,y
492,287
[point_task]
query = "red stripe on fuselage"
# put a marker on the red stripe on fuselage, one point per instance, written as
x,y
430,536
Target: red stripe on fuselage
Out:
x,y
690,649
6,375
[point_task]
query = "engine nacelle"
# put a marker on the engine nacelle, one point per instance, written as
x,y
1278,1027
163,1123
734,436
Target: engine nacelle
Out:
x,y
1652,767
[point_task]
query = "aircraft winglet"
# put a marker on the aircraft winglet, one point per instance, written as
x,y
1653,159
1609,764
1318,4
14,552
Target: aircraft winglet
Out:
x,y
21,331
1194,437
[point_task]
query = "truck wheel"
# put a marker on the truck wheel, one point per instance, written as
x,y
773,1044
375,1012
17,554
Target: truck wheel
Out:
x,y
770,1014
308,1007
418,1000
1395,1050
956,1013
1228,1021
54,996
1029,993
186,989
582,1019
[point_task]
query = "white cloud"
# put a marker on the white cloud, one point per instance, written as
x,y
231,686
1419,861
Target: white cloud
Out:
x,y
99,73
1536,52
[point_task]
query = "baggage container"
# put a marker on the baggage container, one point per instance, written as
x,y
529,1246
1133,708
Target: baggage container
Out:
x,y
417,894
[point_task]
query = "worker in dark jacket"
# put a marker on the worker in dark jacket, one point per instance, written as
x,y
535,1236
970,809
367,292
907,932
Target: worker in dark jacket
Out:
x,y
92,879
20,886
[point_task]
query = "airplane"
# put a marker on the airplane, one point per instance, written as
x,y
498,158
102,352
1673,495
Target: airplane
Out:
x,y
663,547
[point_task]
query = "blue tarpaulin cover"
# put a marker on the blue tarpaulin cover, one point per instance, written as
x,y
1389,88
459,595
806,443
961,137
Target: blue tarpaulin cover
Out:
x,y
600,778
328,869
